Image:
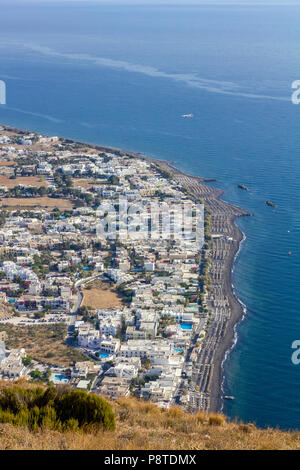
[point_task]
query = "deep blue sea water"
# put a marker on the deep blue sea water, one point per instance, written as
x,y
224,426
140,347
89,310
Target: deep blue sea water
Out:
x,y
123,76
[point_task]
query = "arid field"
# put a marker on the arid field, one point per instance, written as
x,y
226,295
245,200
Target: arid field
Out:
x,y
7,163
5,310
45,343
35,202
36,181
100,295
84,182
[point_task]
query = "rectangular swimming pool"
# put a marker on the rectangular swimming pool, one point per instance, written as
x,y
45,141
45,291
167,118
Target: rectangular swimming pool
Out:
x,y
186,326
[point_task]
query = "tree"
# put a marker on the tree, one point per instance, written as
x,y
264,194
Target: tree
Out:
x,y
42,191
83,310
36,375
113,179
38,315
146,363
26,361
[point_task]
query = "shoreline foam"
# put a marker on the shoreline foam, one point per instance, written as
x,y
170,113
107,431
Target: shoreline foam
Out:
x,y
235,336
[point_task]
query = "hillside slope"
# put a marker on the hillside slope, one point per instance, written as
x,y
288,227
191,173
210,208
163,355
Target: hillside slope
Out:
x,y
142,425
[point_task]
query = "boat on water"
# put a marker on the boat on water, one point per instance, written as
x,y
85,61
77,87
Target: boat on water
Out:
x,y
229,397
270,203
187,115
241,186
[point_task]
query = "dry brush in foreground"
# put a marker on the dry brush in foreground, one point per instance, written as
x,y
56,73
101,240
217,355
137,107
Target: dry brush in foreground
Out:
x,y
142,425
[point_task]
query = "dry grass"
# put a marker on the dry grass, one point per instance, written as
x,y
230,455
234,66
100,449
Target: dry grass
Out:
x,y
6,310
36,181
100,295
215,419
36,201
44,343
143,426
84,182
7,163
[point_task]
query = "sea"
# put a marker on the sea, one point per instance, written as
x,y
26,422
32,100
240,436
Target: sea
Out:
x,y
123,76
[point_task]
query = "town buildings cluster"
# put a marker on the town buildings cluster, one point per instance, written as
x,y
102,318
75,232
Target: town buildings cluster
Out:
x,y
50,251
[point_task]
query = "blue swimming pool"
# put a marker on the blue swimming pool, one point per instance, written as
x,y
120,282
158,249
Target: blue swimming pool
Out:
x,y
59,379
186,326
101,354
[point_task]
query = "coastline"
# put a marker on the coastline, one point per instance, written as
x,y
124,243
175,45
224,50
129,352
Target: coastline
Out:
x,y
237,309
235,334
211,197
225,348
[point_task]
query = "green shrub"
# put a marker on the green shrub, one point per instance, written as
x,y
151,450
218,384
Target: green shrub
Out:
x,y
86,408
54,408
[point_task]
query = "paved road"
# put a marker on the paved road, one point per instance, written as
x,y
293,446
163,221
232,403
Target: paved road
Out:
x,y
78,284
